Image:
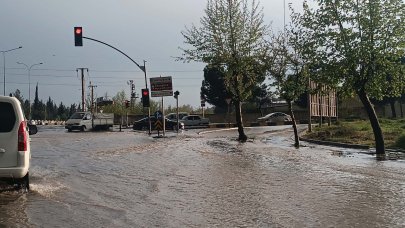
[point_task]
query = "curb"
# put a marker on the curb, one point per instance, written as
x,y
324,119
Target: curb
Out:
x,y
252,124
337,144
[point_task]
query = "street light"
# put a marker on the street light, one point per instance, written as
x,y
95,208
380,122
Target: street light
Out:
x,y
29,83
4,68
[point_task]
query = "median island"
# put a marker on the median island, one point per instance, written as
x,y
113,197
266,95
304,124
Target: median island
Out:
x,y
359,132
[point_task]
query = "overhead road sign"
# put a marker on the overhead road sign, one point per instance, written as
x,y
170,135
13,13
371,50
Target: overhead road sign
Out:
x,y
161,86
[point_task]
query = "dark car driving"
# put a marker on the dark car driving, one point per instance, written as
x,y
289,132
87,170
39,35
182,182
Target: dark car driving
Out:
x,y
143,124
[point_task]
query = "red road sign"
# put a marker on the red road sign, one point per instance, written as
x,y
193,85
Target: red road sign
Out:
x,y
161,86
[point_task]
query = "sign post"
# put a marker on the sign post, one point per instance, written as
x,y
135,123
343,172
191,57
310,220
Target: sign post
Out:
x,y
161,87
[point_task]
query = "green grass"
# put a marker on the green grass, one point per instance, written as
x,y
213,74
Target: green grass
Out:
x,y
360,132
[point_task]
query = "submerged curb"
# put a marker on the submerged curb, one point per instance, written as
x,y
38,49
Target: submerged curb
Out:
x,y
252,124
337,144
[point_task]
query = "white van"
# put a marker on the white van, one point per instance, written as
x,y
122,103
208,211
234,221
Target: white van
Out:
x,y
15,151
86,121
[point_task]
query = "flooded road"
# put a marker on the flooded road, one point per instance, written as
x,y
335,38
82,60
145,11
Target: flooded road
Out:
x,y
127,179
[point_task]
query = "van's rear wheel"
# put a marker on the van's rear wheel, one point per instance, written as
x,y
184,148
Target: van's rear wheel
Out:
x,y
24,183
26,180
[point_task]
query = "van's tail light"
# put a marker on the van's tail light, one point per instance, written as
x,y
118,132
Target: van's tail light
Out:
x,y
22,136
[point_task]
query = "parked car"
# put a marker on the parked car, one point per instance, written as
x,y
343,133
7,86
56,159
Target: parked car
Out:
x,y
15,150
275,117
195,120
173,116
143,124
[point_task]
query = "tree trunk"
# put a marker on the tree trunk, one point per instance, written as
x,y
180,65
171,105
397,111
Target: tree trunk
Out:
x,y
400,108
393,111
378,136
238,112
297,139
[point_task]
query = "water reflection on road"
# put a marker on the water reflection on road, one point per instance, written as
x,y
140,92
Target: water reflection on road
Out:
x,y
121,179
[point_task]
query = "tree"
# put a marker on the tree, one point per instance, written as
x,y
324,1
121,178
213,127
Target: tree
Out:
x,y
24,103
119,101
214,91
288,70
402,97
62,112
38,108
73,108
213,88
262,96
50,109
232,38
356,44
17,94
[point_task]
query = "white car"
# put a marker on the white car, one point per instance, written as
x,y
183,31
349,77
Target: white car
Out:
x,y
15,153
275,117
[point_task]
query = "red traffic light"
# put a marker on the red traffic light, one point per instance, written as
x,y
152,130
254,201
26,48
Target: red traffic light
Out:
x,y
78,30
145,98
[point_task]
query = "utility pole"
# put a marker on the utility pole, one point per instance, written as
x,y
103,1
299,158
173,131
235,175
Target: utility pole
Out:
x,y
132,93
83,98
92,96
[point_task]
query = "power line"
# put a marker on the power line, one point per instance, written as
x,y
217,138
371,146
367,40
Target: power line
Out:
x,y
71,76
113,71
100,84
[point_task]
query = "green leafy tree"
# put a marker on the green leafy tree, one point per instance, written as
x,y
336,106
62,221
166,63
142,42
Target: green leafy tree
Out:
x,y
214,91
119,101
50,109
288,70
213,88
262,96
24,103
17,94
62,112
182,108
231,37
38,107
73,108
355,43
118,106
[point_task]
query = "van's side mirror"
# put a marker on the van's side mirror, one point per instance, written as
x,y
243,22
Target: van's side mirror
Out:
x,y
32,129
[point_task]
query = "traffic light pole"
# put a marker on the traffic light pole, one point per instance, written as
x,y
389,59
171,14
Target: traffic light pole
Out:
x,y
146,86
143,68
140,67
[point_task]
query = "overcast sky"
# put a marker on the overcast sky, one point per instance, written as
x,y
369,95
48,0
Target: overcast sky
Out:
x,y
144,29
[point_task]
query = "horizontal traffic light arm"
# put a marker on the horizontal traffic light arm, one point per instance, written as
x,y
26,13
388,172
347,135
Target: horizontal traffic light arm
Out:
x,y
140,67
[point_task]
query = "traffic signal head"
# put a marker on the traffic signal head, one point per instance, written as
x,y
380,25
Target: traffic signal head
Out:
x,y
78,31
176,94
145,98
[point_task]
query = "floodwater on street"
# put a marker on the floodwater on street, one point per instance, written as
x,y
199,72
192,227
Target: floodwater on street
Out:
x,y
128,179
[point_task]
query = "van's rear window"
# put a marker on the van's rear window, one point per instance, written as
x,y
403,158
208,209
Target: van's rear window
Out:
x,y
7,117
